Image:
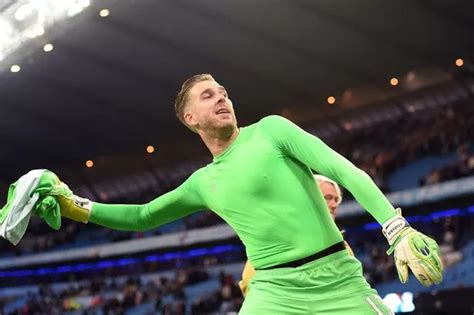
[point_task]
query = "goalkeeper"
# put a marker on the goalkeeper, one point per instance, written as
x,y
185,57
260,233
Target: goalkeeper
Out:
x,y
260,183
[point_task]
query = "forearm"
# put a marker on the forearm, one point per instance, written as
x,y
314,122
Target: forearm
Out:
x,y
364,190
122,217
164,209
134,217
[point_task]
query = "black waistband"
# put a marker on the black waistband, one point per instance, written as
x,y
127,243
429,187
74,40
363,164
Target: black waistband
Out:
x,y
296,263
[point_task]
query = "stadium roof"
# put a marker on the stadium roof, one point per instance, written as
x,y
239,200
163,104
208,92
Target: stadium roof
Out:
x,y
109,84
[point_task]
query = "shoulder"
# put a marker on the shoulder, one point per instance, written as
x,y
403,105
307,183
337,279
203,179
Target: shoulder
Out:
x,y
273,123
193,180
273,119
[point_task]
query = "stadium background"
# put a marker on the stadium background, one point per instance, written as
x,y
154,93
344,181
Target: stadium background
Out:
x,y
86,90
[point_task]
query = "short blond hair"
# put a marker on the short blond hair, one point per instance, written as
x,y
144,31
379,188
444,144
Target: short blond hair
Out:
x,y
324,179
182,97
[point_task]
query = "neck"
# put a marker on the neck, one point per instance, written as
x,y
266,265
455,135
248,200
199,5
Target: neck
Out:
x,y
218,141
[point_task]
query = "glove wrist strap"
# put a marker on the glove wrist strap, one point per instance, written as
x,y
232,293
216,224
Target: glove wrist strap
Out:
x,y
82,202
84,207
393,227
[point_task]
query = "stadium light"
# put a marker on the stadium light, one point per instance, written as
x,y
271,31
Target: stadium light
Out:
x,y
150,149
23,20
459,62
15,68
104,13
331,100
394,81
89,163
48,47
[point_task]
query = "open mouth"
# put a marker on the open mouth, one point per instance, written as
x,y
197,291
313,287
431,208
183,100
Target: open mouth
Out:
x,y
222,111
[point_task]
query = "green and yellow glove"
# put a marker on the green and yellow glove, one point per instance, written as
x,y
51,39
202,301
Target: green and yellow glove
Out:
x,y
413,249
74,207
58,201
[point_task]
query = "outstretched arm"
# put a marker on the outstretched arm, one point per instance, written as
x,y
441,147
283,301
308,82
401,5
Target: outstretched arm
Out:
x,y
313,152
411,248
171,206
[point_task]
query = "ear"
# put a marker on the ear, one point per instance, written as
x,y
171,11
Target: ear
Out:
x,y
190,119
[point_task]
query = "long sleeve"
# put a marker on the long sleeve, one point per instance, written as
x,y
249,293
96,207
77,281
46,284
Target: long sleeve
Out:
x,y
313,152
168,207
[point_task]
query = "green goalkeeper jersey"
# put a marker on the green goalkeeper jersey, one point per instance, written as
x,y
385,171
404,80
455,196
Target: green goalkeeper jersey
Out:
x,y
263,187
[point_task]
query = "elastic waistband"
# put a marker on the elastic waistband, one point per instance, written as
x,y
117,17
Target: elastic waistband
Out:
x,y
296,263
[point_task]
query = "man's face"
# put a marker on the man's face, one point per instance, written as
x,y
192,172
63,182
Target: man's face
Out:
x,y
209,107
330,195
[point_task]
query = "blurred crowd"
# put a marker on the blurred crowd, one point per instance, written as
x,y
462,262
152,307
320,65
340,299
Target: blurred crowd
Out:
x,y
40,239
462,167
226,300
167,295
384,148
112,298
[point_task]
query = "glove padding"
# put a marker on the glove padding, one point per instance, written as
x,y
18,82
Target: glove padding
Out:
x,y
48,209
415,250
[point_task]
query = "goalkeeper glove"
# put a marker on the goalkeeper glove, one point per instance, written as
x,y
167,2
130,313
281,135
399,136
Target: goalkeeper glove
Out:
x,y
75,208
413,249
72,207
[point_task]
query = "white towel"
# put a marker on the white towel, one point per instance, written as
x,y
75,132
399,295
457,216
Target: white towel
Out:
x,y
15,215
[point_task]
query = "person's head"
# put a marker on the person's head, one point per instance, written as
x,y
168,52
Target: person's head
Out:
x,y
203,106
331,192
